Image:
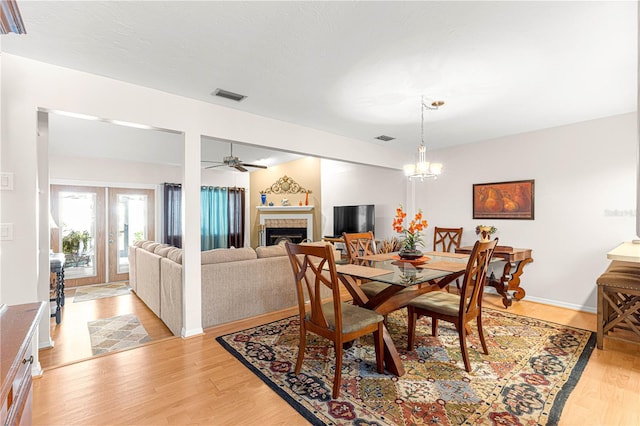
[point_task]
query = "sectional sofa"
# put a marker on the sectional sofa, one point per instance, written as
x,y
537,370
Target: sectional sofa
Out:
x,y
236,283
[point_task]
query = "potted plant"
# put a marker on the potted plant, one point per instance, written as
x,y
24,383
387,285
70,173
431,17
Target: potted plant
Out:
x,y
74,243
485,232
412,237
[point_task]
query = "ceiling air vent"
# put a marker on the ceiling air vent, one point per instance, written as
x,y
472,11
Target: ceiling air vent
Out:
x,y
228,95
384,138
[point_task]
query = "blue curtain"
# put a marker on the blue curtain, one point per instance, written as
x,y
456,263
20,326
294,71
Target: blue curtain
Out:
x,y
214,218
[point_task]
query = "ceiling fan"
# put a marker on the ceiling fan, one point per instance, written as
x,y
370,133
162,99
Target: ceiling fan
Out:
x,y
234,162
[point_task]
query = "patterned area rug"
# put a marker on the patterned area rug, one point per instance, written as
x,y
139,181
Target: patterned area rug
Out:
x,y
531,368
83,294
116,333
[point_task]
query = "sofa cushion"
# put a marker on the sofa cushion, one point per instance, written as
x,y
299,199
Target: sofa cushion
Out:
x,y
163,250
271,251
227,255
150,246
140,242
175,254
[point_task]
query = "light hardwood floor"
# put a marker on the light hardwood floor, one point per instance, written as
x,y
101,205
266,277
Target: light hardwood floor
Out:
x,y
196,381
71,336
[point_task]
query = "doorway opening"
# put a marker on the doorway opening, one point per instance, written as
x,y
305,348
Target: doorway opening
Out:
x,y
96,226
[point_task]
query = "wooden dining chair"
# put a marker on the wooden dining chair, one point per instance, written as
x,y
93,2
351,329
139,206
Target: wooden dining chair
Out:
x,y
314,268
457,309
358,245
446,239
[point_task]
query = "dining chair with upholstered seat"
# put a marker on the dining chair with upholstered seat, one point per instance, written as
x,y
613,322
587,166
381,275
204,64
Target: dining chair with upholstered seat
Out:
x,y
446,239
314,268
359,245
458,309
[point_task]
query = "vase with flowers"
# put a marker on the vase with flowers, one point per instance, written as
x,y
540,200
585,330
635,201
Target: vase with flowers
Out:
x,y
412,238
485,232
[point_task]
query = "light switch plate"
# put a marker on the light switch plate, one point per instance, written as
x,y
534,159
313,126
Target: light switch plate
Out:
x,y
6,181
6,231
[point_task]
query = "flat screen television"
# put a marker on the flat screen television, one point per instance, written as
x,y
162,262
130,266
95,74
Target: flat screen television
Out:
x,y
353,219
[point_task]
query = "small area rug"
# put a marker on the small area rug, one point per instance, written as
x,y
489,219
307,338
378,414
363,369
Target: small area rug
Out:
x,y
116,333
531,368
83,294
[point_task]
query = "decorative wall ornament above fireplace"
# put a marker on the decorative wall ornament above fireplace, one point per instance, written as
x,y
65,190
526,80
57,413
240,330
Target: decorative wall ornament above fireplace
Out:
x,y
285,185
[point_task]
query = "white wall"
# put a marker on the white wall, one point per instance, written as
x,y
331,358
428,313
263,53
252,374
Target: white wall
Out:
x,y
28,86
345,184
582,173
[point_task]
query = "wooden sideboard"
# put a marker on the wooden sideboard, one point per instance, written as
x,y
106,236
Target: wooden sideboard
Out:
x,y
18,325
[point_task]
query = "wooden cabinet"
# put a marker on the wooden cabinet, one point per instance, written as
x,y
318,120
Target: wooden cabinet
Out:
x,y
18,325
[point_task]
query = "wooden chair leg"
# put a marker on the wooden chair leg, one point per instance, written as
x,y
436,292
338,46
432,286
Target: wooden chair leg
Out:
x,y
338,374
301,348
481,334
379,346
600,317
434,327
411,327
462,335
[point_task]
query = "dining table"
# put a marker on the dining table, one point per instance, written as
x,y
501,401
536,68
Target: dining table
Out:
x,y
407,280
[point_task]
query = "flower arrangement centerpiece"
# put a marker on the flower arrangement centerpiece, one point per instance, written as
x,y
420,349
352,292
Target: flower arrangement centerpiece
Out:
x,y
485,232
412,238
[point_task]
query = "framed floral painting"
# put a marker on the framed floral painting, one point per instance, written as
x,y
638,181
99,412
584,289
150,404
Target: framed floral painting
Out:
x,y
504,200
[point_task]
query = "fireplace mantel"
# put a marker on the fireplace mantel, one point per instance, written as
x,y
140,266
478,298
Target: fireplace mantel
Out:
x,y
285,213
284,208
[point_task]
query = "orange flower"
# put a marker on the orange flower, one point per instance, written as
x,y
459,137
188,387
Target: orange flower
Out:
x,y
412,232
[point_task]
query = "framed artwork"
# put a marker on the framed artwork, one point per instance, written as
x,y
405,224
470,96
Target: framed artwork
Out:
x,y
504,200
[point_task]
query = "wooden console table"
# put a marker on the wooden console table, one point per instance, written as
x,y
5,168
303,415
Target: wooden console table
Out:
x,y
514,258
18,324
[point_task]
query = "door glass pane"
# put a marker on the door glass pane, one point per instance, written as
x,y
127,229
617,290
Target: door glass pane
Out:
x,y
132,226
77,212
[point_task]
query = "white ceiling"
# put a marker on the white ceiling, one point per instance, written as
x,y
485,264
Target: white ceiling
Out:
x,y
359,68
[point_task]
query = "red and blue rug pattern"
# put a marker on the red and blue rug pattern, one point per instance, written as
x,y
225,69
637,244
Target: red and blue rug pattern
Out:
x,y
531,368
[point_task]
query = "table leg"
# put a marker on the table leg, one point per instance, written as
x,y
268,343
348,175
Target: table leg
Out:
x,y
61,280
509,282
500,284
514,283
392,359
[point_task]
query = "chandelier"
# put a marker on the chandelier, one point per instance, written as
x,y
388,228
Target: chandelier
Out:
x,y
423,169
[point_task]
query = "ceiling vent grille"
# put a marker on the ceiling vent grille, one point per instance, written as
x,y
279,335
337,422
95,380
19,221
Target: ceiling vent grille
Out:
x,y
228,95
384,138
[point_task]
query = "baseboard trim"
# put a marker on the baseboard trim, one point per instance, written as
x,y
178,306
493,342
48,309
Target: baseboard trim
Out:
x,y
185,334
46,344
573,306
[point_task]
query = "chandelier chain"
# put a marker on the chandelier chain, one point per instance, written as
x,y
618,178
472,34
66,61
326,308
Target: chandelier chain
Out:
x,y
422,119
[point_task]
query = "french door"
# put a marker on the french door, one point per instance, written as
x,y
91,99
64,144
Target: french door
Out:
x,y
89,237
78,212
131,218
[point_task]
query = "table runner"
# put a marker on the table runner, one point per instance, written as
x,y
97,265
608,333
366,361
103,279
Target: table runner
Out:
x,y
444,266
361,271
378,257
447,254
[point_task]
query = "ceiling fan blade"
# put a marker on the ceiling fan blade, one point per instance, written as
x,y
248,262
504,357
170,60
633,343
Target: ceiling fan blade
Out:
x,y
239,167
213,167
260,166
209,161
